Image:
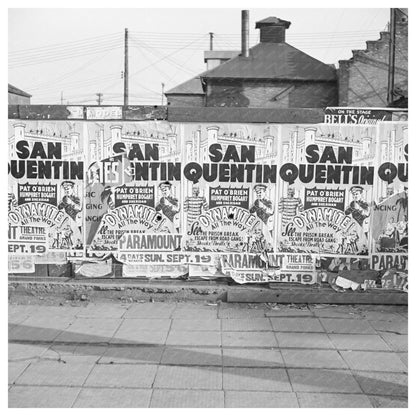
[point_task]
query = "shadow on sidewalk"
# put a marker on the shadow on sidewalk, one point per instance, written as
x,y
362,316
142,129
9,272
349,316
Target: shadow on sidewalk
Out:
x,y
122,349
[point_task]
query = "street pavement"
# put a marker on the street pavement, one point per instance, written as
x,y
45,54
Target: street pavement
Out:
x,y
206,355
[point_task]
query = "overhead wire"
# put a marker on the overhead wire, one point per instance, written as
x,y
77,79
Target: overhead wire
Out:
x,y
156,67
182,67
151,42
187,35
159,60
59,45
82,83
62,51
68,74
169,37
63,56
91,45
158,54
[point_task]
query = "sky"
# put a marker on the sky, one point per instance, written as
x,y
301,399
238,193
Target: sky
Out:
x,y
69,55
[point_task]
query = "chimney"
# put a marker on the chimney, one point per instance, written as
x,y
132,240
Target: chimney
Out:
x,y
244,33
272,30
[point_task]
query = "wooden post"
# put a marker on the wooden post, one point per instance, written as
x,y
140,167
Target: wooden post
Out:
x,y
392,57
126,67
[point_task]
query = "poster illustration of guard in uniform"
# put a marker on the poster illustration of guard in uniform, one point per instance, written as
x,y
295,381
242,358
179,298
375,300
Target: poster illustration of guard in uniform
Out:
x,y
229,188
390,210
326,177
133,191
45,187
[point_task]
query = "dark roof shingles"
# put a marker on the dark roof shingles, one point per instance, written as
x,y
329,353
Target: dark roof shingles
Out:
x,y
274,61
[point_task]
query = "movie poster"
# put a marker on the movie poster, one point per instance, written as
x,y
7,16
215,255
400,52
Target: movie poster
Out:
x,y
326,177
260,203
229,188
269,268
390,206
133,193
45,187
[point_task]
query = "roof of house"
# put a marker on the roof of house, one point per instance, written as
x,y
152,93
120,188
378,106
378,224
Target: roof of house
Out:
x,y
192,86
274,61
13,90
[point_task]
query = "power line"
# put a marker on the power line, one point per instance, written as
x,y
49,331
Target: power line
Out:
x,y
156,67
150,42
169,36
141,44
59,45
61,58
80,48
68,74
162,38
78,84
154,63
182,34
64,54
182,67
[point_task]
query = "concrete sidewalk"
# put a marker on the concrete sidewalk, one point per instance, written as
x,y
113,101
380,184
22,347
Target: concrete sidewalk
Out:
x,y
205,355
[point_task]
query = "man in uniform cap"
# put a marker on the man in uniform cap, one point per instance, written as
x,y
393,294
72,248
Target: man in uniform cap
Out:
x,y
70,203
168,204
358,208
262,206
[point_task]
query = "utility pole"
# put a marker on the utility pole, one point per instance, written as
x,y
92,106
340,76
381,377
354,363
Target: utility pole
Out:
x,y
392,57
62,97
163,92
211,41
100,96
126,67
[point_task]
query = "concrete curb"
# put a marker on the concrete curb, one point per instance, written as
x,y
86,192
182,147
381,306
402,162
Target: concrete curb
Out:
x,y
66,289
321,295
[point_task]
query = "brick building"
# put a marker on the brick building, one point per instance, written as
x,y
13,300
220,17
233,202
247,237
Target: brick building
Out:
x,y
274,74
363,79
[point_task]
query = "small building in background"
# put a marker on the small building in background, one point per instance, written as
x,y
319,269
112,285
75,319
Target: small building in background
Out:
x,y
215,58
17,96
187,94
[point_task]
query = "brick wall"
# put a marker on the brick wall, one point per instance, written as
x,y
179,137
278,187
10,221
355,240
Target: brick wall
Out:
x,y
271,94
363,79
226,93
314,95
